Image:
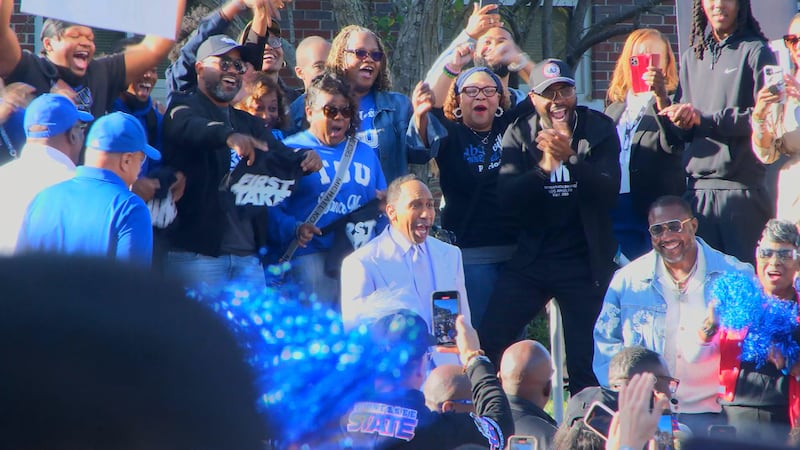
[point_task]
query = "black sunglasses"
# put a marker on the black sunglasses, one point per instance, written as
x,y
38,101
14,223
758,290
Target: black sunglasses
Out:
x,y
790,40
362,54
331,111
784,254
238,65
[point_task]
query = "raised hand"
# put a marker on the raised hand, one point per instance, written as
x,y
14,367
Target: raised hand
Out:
x,y
481,20
244,145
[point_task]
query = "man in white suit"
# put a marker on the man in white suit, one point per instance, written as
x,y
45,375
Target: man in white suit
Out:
x,y
402,263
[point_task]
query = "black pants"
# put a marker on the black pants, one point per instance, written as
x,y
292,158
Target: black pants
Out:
x,y
731,220
764,422
520,295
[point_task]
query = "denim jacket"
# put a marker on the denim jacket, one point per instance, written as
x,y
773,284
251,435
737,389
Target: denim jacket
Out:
x,y
391,123
634,308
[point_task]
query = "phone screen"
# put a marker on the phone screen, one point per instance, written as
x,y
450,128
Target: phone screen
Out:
x,y
490,2
598,419
445,311
664,437
522,443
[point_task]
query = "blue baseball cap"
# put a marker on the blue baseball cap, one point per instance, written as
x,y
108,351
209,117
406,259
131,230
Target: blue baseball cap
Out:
x,y
55,112
119,132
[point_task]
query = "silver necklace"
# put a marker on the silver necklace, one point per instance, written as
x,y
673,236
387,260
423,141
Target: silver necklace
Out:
x,y
679,282
484,139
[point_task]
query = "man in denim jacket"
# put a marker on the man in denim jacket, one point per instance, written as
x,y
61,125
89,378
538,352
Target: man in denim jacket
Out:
x,y
662,302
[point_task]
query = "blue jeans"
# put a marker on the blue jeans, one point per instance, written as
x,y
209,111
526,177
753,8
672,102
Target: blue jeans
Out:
x,y
308,273
217,273
479,280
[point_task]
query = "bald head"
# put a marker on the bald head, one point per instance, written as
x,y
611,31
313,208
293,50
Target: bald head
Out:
x,y
311,55
447,389
525,371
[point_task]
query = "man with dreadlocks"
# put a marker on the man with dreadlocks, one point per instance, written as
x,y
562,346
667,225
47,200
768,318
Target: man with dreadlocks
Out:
x,y
719,81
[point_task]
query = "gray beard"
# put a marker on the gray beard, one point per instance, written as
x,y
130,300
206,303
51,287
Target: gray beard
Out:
x,y
216,91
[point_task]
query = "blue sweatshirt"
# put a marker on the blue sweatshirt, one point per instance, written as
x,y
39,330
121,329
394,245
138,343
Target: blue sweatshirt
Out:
x,y
360,185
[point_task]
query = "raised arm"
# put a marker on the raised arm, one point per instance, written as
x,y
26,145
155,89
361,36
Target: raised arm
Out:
x,y
10,51
150,52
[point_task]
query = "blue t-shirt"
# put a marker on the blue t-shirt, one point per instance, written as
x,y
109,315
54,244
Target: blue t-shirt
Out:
x,y
94,213
366,112
360,185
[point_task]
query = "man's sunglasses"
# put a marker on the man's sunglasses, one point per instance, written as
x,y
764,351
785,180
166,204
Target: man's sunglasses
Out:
x,y
331,111
238,65
673,226
362,54
784,254
791,40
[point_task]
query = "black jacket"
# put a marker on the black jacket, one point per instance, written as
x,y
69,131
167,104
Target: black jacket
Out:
x,y
723,86
655,167
596,169
530,420
400,420
195,135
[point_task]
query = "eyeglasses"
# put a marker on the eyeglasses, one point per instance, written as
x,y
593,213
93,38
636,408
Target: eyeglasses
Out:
x,y
362,54
784,254
331,111
274,41
553,94
238,65
671,382
472,91
790,40
673,226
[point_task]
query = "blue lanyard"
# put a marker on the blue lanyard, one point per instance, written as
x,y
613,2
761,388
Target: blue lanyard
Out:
x,y
7,141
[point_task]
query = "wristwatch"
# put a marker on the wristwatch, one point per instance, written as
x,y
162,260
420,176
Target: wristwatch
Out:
x,y
519,65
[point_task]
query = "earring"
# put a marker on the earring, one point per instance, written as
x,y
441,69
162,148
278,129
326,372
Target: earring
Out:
x,y
457,113
499,112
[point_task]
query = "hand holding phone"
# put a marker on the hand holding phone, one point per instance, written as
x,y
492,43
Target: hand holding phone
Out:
x,y
638,66
446,308
598,419
773,79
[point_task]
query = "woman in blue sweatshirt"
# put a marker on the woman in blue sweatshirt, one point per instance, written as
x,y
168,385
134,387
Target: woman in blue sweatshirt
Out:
x,y
331,113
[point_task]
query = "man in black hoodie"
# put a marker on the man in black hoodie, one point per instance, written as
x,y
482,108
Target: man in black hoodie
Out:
x,y
719,80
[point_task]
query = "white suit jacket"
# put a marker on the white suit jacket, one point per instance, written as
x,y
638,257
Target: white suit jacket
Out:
x,y
379,266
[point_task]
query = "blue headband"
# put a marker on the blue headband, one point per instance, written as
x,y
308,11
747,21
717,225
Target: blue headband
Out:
x,y
466,74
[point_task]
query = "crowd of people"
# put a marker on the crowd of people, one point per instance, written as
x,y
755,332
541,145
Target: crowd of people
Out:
x,y
651,224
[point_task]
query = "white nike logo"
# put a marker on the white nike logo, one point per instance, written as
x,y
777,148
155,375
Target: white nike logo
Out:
x,y
730,70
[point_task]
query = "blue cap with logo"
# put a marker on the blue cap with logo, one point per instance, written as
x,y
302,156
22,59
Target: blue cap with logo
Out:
x,y
55,113
119,132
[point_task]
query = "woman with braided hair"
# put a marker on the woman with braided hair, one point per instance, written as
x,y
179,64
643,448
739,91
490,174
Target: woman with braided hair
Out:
x,y
720,76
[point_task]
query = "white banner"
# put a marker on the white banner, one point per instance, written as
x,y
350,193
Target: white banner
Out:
x,y
157,17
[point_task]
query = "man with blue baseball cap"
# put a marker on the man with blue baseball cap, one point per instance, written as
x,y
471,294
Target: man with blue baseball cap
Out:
x,y
54,129
95,213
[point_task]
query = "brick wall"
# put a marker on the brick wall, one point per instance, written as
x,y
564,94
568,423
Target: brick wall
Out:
x,y
605,54
23,26
315,17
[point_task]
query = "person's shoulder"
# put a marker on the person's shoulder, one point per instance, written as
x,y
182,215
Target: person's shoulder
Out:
x,y
719,261
639,268
370,249
594,115
437,245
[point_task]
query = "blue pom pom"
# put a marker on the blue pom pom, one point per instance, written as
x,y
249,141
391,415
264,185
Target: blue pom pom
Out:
x,y
776,328
740,300
309,371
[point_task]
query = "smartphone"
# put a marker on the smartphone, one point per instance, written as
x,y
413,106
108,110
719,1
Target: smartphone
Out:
x,y
722,431
773,79
523,443
446,307
665,438
639,65
491,2
598,419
